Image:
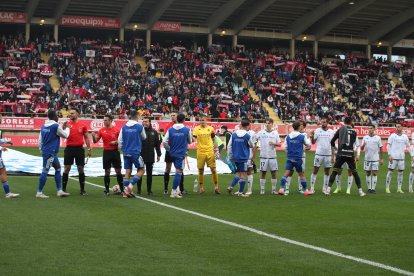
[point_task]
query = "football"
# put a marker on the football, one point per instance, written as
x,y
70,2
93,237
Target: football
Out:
x,y
116,189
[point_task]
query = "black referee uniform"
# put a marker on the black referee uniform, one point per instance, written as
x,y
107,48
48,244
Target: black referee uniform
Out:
x,y
150,144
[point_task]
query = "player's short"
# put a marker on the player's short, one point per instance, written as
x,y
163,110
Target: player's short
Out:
x,y
133,159
2,166
349,160
325,160
74,153
111,158
203,158
249,164
268,164
167,157
371,165
345,166
294,164
50,160
241,166
179,162
397,164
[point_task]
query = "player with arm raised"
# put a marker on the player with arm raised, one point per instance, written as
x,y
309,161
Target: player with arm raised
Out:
x,y
346,137
372,145
397,143
324,153
268,139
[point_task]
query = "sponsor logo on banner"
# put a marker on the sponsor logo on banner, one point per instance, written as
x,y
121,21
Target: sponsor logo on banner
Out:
x,y
17,123
167,26
89,21
96,124
12,17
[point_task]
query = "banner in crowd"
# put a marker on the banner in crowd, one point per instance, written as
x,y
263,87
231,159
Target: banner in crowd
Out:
x,y
167,26
89,21
90,53
12,17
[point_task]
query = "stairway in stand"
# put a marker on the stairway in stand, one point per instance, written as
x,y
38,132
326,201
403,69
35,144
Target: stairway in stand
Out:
x,y
54,82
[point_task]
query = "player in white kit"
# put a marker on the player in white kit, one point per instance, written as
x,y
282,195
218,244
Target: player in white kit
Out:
x,y
397,143
324,154
268,139
250,164
373,157
411,179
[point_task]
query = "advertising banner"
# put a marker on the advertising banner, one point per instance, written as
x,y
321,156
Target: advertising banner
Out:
x,y
12,17
89,21
167,26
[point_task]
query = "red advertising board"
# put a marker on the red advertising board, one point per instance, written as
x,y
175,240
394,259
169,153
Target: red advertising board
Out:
x,y
25,123
12,17
167,26
89,21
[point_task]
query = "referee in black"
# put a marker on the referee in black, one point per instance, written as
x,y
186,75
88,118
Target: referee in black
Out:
x,y
149,145
346,137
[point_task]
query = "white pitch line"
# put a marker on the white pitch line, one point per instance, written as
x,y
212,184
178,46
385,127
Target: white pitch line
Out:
x,y
276,237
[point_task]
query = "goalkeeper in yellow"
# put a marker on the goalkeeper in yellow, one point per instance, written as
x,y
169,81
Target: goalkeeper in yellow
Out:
x,y
207,152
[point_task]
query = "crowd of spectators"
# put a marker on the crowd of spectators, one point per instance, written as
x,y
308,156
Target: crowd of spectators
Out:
x,y
99,77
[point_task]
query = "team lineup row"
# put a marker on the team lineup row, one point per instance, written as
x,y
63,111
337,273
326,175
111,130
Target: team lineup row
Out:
x,y
139,142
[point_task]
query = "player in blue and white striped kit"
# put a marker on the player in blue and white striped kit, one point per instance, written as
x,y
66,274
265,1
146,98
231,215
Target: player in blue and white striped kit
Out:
x,y
176,140
239,151
130,142
294,147
49,144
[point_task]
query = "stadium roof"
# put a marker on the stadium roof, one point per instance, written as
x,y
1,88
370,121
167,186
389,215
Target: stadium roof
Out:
x,y
374,20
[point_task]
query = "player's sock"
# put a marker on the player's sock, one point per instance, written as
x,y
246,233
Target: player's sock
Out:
x,y
410,181
200,178
284,183
65,178
214,175
388,180
357,180
107,181
177,180
166,180
350,179
368,179
400,179
374,182
126,183
42,180
303,184
325,181
299,184
338,182
263,184
58,180
6,187
332,178
135,179
182,183
274,183
313,180
287,182
120,181
82,181
250,183
235,180
242,183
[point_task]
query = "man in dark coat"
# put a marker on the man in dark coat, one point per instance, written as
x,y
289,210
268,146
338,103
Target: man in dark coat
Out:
x,y
150,144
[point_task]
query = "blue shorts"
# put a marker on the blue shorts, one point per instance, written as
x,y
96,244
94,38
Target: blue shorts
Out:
x,y
133,159
241,166
49,161
179,162
294,164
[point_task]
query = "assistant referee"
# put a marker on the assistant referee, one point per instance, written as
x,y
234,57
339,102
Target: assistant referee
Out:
x,y
111,156
74,149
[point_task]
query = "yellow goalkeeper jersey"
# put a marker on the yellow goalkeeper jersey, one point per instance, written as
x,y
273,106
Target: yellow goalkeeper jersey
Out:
x,y
204,137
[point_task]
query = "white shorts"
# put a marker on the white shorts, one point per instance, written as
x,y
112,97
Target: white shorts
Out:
x,y
268,164
396,164
371,166
322,159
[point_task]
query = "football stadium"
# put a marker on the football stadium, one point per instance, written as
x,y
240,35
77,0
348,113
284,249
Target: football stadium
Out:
x,y
222,137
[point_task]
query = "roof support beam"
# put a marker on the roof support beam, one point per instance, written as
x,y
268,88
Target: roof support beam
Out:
x,y
60,9
308,19
221,14
128,11
31,8
157,12
335,18
377,31
400,32
249,14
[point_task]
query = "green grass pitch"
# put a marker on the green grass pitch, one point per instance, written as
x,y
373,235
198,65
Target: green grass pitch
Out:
x,y
95,235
